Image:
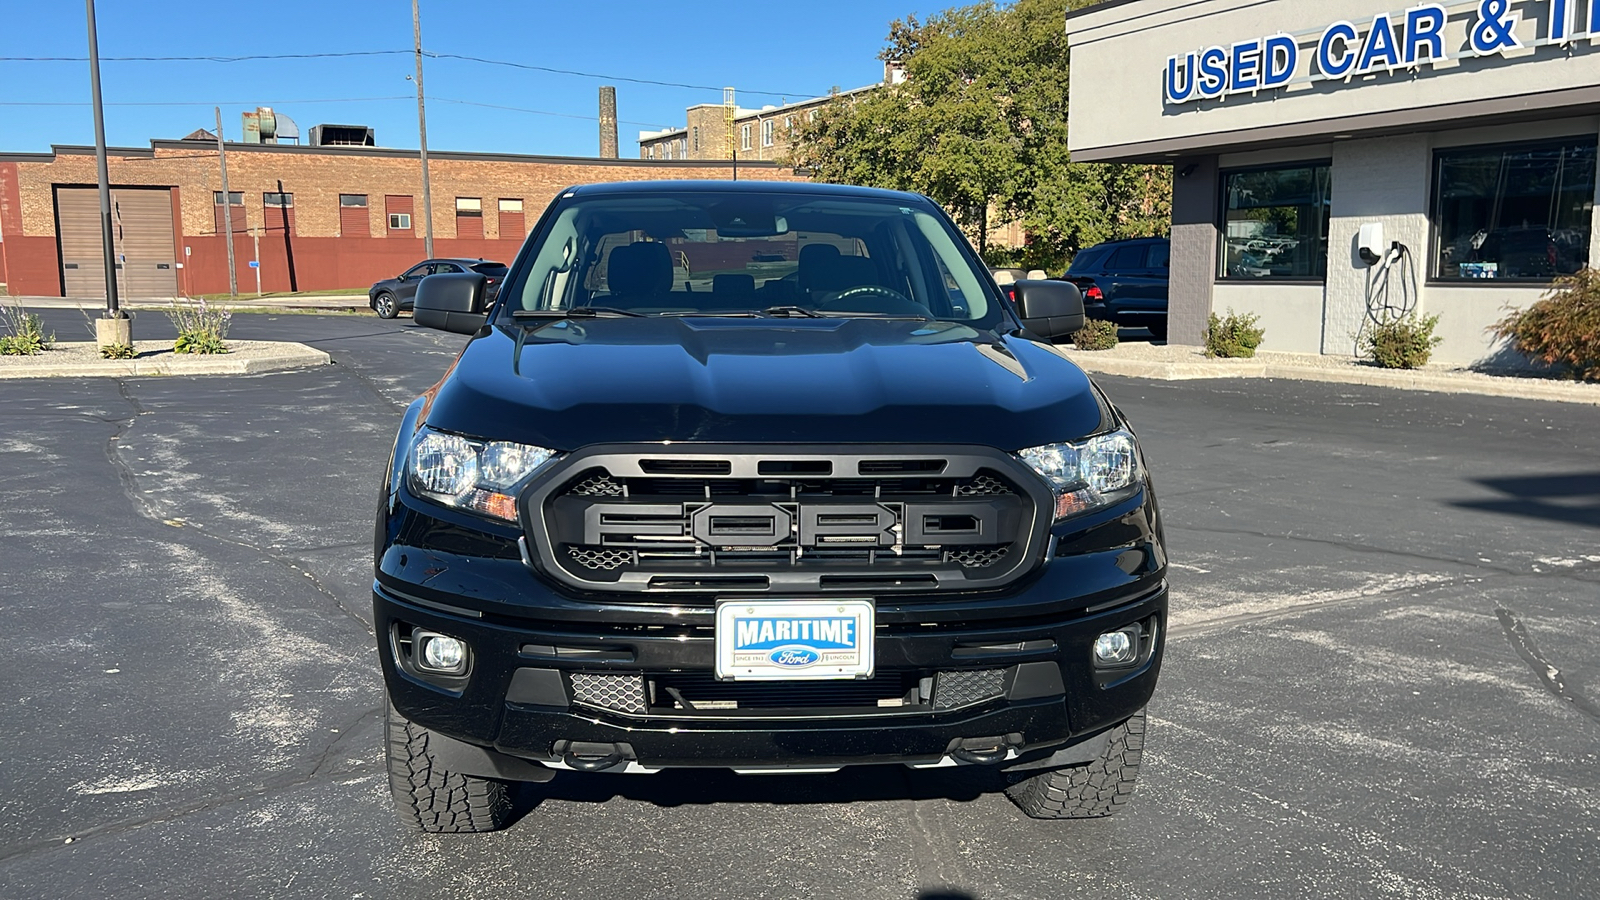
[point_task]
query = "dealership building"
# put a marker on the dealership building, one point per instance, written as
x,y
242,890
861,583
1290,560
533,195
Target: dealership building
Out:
x,y
1337,162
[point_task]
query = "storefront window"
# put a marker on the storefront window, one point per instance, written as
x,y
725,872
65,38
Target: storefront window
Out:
x,y
1521,212
1275,222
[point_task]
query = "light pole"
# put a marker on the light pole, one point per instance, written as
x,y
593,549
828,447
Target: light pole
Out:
x,y
422,131
113,308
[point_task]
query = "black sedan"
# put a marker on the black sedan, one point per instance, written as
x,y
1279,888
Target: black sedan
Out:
x,y
391,295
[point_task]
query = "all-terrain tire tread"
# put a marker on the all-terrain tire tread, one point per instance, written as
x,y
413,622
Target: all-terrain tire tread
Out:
x,y
1098,789
436,800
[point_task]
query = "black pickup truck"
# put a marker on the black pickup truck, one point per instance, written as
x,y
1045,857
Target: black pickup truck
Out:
x,y
761,477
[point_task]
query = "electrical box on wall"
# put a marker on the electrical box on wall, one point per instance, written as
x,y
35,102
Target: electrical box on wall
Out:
x,y
1370,245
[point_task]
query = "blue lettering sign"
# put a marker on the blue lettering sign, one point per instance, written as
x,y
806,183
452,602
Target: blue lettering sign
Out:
x,y
1213,74
1280,59
1561,16
1496,28
1336,63
1425,29
1246,68
1388,43
1179,91
1380,47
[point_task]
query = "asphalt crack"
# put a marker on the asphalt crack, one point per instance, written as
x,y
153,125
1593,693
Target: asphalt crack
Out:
x,y
1554,680
319,772
130,486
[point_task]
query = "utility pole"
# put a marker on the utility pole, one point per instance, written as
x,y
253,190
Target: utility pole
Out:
x,y
422,131
255,245
113,308
288,245
227,207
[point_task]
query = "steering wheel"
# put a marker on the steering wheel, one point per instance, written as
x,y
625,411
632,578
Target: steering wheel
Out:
x,y
876,290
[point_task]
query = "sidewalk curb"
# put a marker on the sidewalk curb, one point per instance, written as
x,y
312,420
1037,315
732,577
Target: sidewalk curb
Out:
x,y
1436,382
281,356
242,304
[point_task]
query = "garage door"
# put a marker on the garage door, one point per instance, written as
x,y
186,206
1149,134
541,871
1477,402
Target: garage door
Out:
x,y
141,235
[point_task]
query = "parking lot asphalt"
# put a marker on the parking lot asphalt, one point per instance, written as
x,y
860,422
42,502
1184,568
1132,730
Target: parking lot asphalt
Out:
x,y
1383,678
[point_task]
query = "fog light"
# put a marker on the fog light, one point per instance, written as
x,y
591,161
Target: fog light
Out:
x,y
440,652
1117,648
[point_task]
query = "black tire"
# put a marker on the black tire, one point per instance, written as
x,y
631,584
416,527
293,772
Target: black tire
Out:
x,y
385,305
1091,791
1158,330
436,800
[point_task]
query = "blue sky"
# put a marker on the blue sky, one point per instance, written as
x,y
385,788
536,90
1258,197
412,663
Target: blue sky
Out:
x,y
756,45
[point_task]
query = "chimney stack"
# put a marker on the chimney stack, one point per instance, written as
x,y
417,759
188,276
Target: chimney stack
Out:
x,y
608,122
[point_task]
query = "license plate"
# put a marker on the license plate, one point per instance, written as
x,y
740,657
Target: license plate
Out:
x,y
794,640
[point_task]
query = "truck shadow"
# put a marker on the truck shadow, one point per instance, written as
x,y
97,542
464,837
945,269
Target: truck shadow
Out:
x,y
687,787
1572,499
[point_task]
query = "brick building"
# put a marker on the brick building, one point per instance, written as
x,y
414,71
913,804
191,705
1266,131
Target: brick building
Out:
x,y
345,216
759,134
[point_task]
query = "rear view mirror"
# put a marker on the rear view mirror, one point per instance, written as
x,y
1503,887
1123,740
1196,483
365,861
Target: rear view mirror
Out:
x,y
1050,309
451,302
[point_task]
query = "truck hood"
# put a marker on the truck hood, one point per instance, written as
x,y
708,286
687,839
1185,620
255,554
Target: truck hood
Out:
x,y
571,383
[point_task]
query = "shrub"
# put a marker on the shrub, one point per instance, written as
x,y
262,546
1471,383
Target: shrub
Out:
x,y
1562,328
24,332
118,351
1096,335
1233,337
201,328
1404,343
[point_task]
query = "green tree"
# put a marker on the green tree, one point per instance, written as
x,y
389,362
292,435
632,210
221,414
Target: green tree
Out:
x,y
980,125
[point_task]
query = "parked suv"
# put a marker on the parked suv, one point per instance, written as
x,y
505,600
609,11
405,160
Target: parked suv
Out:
x,y
1125,282
843,506
390,296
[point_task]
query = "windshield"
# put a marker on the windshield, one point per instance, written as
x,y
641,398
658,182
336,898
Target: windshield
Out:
x,y
743,254
1087,259
491,269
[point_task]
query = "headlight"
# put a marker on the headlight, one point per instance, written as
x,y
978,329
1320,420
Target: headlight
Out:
x,y
478,476
1089,474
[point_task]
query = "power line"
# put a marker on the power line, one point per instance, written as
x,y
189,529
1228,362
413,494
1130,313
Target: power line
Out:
x,y
520,109
676,84
359,53
538,112
222,59
212,102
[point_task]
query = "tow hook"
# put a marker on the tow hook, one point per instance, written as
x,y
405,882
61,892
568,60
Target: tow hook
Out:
x,y
592,757
985,751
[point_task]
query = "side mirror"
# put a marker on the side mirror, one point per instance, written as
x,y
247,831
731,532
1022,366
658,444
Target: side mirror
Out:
x,y
1050,309
400,277
450,303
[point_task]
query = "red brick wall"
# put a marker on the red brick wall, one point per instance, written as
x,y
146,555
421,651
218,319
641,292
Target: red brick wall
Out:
x,y
325,263
512,227
334,246
355,221
398,204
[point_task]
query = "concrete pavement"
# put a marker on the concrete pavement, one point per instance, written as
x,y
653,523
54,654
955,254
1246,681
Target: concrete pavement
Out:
x,y
1179,363
1372,589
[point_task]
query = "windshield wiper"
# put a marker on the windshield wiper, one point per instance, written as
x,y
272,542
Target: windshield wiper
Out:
x,y
576,312
785,312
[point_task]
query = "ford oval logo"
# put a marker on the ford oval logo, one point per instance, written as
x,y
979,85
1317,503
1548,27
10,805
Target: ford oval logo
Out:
x,y
794,657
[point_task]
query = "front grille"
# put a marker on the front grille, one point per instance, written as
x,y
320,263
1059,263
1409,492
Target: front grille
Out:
x,y
885,690
602,558
624,693
700,691
597,485
695,520
964,687
976,557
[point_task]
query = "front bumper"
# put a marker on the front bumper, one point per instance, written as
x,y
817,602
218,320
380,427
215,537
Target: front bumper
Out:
x,y
518,698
